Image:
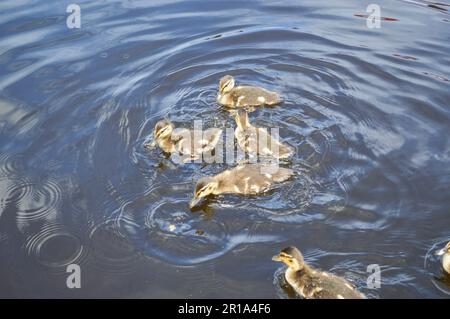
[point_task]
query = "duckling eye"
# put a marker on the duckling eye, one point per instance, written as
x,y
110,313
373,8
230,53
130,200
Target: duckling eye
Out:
x,y
203,190
161,130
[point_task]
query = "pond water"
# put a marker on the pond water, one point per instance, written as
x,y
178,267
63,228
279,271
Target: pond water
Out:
x,y
367,110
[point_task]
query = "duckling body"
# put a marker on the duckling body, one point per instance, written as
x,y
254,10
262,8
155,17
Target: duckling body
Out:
x,y
242,96
311,283
445,252
190,144
245,179
257,140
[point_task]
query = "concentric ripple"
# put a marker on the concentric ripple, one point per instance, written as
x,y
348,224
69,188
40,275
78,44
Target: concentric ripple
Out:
x,y
54,247
110,250
39,201
180,236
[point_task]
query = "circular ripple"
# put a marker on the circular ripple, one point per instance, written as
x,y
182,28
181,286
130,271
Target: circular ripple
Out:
x,y
110,250
54,247
179,236
169,231
317,120
9,164
38,201
12,190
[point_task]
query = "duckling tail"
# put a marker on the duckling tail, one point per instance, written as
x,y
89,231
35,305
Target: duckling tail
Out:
x,y
282,174
275,99
285,151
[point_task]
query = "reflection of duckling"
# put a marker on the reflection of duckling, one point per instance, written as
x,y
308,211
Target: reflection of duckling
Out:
x,y
244,95
256,140
314,284
189,143
446,259
245,179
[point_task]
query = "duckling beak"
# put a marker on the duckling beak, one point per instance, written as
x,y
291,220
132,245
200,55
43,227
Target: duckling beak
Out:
x,y
194,202
276,258
440,252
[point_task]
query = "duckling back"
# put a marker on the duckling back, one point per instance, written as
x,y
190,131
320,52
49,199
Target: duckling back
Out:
x,y
321,285
256,140
250,179
253,96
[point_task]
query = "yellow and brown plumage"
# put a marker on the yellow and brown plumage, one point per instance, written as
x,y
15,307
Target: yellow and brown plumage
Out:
x,y
257,140
445,252
310,283
244,179
189,144
242,96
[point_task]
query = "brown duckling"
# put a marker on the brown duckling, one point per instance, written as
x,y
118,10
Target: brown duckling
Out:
x,y
185,142
311,283
244,179
241,96
446,259
257,140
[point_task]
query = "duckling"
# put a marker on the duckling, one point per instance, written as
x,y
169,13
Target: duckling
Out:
x,y
256,140
244,179
446,259
314,284
185,142
244,95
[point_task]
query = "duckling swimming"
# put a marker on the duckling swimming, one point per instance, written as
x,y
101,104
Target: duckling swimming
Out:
x,y
244,95
256,140
446,259
190,144
244,179
314,284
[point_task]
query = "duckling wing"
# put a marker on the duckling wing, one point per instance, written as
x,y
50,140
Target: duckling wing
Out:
x,y
182,138
276,173
334,287
192,142
256,178
254,96
247,139
269,146
210,139
179,134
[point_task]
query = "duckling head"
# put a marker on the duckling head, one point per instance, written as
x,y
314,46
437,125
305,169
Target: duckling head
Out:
x,y
444,251
205,186
163,129
292,257
226,84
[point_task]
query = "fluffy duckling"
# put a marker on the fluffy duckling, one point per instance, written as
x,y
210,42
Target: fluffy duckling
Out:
x,y
244,179
190,144
314,284
241,96
257,140
446,259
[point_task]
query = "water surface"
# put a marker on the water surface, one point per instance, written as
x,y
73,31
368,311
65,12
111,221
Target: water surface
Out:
x,y
367,111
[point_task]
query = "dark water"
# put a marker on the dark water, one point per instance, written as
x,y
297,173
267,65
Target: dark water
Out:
x,y
366,109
